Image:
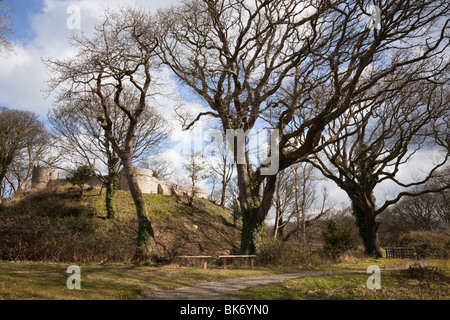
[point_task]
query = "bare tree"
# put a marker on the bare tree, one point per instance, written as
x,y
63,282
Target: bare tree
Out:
x,y
385,138
5,24
298,201
161,168
273,60
283,201
429,211
22,137
220,164
39,152
83,141
115,62
195,169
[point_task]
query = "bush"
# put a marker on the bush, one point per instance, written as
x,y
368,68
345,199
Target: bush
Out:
x,y
81,176
428,273
430,244
276,252
337,239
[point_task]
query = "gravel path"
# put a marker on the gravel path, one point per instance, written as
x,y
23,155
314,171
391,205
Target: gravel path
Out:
x,y
216,289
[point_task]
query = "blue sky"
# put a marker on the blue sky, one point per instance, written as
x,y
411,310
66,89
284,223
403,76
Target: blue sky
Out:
x,y
21,19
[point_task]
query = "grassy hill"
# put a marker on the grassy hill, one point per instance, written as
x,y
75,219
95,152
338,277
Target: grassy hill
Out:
x,y
60,226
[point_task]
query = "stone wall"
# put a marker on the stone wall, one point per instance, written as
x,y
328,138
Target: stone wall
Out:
x,y
150,184
45,176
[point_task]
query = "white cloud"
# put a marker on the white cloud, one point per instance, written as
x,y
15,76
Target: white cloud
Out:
x,y
22,74
22,77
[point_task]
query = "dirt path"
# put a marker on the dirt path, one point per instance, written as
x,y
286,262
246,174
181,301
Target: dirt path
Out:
x,y
216,289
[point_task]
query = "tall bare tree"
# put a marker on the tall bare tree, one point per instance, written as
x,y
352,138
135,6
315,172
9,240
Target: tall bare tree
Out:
x,y
256,60
385,138
195,169
38,153
429,211
220,164
298,201
83,141
22,139
115,62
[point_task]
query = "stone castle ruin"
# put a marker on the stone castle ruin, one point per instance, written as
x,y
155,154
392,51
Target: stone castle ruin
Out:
x,y
44,176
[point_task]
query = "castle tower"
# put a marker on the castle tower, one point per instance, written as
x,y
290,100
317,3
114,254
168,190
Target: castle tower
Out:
x,y
42,175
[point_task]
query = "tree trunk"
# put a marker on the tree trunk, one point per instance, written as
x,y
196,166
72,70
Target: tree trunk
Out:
x,y
224,193
276,224
145,230
252,227
111,189
254,211
2,175
252,231
368,227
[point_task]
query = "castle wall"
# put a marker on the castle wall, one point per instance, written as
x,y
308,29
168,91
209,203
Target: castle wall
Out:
x,y
95,182
150,184
145,180
45,176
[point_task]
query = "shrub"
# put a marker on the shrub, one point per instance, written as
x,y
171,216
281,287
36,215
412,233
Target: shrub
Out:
x,y
276,252
81,176
337,239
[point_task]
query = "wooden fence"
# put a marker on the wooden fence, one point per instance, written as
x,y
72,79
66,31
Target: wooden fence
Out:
x,y
403,253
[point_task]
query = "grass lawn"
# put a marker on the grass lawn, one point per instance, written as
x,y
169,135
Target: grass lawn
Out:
x,y
430,284
43,281
47,281
363,264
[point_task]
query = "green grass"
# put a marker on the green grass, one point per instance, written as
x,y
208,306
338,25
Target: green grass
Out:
x,y
426,284
346,287
362,264
47,281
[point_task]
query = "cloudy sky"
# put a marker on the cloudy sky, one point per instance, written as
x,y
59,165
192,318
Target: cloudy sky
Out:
x,y
42,30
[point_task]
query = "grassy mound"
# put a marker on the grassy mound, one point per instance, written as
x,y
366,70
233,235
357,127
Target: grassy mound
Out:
x,y
429,243
60,226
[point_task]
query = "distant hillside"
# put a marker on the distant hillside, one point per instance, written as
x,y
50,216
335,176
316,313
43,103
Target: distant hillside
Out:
x,y
49,225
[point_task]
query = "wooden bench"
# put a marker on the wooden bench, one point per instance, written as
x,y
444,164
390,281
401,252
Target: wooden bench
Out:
x,y
204,259
251,257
